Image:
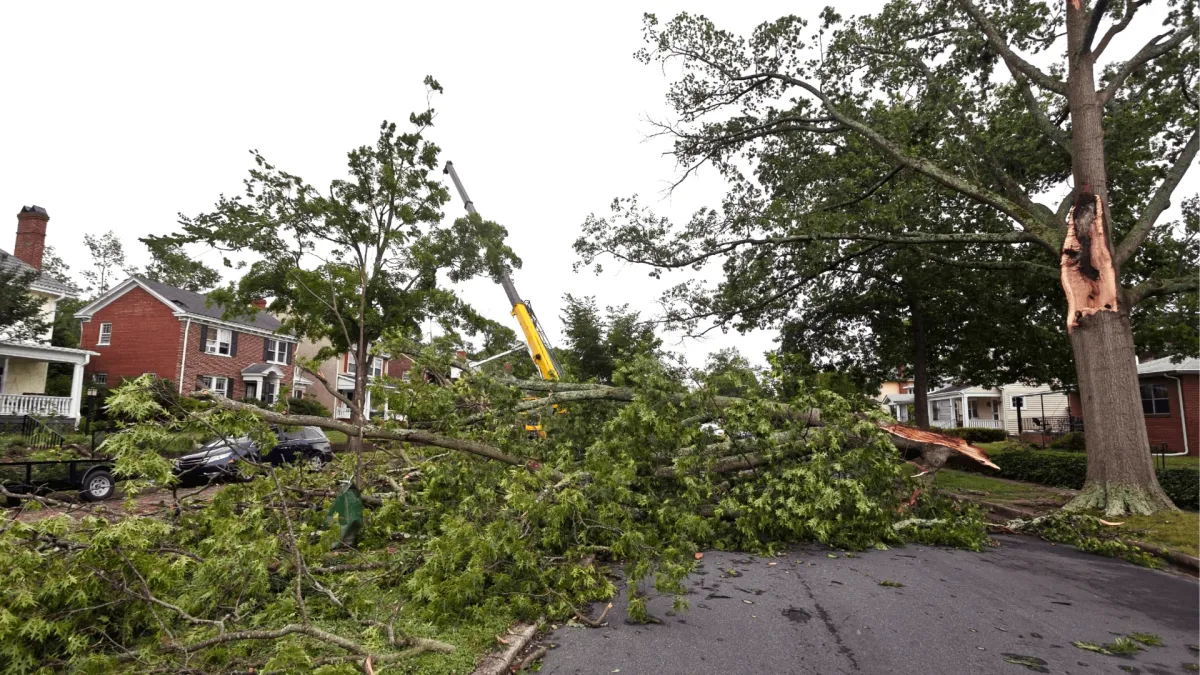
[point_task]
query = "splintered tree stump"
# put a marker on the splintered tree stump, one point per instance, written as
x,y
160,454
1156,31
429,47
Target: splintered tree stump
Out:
x,y
1088,275
934,448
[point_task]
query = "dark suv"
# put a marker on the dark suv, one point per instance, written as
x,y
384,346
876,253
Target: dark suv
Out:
x,y
218,458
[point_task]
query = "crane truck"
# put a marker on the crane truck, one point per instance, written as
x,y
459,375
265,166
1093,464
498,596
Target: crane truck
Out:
x,y
535,338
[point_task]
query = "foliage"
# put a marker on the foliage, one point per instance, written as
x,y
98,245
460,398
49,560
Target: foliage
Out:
x,y
1069,470
977,434
1070,442
595,341
1087,533
455,546
882,152
171,265
307,406
366,259
108,261
20,311
55,267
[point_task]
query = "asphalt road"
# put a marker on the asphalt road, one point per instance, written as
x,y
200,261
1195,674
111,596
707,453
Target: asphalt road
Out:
x,y
957,613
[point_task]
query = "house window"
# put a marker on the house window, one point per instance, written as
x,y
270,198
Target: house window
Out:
x,y
251,390
973,408
105,334
996,409
406,376
376,366
351,365
1154,399
100,378
216,384
936,409
219,342
276,351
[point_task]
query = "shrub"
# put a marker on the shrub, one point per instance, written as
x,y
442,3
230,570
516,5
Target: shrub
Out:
x,y
307,406
978,434
1072,442
1069,470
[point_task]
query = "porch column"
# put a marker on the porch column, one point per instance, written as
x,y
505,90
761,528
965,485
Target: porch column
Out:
x,y
966,411
929,404
367,405
76,391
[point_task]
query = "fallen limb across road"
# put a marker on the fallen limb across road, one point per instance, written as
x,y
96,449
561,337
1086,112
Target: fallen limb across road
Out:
x,y
934,448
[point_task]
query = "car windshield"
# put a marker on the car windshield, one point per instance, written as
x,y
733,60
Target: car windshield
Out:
x,y
224,443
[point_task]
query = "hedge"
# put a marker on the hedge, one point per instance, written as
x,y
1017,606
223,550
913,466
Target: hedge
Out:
x,y
977,434
1072,442
1069,470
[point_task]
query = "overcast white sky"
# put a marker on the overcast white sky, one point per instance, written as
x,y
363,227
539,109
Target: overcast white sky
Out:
x,y
120,115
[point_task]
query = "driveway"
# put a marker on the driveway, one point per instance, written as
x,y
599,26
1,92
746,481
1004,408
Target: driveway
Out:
x,y
957,612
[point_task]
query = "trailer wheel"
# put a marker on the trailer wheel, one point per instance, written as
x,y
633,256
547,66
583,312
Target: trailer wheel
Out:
x,y
98,485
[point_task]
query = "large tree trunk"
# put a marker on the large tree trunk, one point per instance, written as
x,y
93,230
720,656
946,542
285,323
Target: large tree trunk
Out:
x,y
920,369
1120,473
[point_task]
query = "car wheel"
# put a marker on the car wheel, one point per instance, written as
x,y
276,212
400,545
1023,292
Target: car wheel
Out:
x,y
98,486
316,462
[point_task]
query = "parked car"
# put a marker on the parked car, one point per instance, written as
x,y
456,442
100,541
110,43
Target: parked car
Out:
x,y
218,458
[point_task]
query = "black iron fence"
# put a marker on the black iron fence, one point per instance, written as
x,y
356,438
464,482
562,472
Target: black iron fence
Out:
x,y
37,436
1051,425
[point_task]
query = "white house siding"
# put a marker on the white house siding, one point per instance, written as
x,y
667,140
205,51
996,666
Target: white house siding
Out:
x,y
1056,405
945,413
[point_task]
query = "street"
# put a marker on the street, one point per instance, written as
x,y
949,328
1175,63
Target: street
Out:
x,y
957,613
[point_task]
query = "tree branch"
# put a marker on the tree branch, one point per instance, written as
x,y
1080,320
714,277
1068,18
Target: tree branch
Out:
x,y
1160,287
1012,59
1153,49
1053,131
1022,265
1131,8
1158,203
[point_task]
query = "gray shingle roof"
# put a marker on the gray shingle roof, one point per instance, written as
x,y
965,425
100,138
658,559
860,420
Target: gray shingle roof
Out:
x,y
1190,364
197,303
9,261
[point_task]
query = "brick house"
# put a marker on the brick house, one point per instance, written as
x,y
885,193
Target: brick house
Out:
x,y
1170,393
142,326
339,371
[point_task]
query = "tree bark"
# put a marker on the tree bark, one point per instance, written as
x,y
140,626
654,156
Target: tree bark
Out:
x,y
1120,472
920,368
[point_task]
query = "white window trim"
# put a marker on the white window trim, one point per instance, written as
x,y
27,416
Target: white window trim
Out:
x,y
104,338
351,364
371,371
99,378
213,345
212,384
275,348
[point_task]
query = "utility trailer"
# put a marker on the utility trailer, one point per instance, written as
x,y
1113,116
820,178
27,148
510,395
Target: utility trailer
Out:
x,y
91,477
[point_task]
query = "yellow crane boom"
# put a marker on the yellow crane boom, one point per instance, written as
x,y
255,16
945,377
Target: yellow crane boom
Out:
x,y
539,346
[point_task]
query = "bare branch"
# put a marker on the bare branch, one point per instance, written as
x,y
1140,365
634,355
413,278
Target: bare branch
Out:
x,y
1131,8
1012,59
1158,203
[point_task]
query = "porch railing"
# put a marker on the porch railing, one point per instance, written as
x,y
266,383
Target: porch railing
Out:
x,y
341,412
984,423
52,406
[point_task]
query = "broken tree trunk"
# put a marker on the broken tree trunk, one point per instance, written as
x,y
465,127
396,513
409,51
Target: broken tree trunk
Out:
x,y
1120,473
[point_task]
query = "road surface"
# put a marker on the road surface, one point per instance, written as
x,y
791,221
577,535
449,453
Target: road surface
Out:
x,y
957,613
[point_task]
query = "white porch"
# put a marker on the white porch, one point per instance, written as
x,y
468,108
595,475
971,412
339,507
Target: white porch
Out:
x,y
955,407
23,380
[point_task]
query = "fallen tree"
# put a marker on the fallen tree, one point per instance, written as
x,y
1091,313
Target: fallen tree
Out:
x,y
470,527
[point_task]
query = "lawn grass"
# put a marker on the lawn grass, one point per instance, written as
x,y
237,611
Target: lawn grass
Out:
x,y
335,437
1000,447
1179,531
994,489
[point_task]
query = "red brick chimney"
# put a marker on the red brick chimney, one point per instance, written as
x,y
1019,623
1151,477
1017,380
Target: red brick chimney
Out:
x,y
260,303
31,235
